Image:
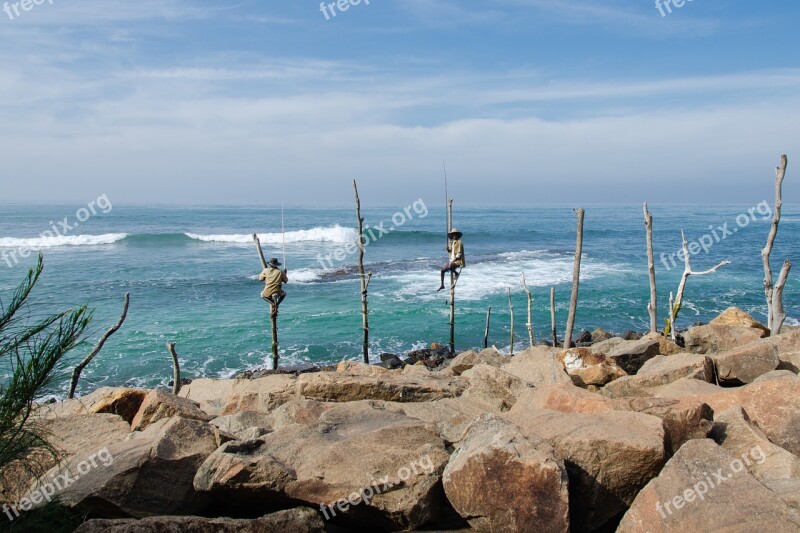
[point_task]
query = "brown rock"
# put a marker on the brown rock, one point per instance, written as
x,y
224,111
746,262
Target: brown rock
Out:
x,y
236,424
492,388
786,342
538,365
672,501
683,420
735,317
631,355
333,387
355,368
496,463
745,364
790,361
388,464
159,404
609,457
600,335
148,474
299,520
596,375
715,339
565,399
607,346
301,411
776,374
466,360
665,345
124,402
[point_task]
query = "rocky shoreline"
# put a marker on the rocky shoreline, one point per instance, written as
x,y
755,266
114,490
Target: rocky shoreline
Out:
x,y
631,435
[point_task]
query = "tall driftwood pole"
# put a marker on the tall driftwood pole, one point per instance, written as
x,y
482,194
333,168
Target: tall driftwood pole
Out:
x,y
576,276
176,369
651,268
363,277
452,281
486,331
675,306
530,310
776,314
511,310
76,374
273,315
553,316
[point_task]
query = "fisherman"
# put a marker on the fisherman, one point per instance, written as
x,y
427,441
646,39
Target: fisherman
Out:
x,y
456,259
273,278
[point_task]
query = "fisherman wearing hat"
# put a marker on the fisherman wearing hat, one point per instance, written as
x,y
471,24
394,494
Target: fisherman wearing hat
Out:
x,y
273,278
456,250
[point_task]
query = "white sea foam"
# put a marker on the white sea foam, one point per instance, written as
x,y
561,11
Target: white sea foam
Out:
x,y
301,275
36,243
336,234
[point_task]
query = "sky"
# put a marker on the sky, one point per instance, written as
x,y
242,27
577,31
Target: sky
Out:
x,y
251,102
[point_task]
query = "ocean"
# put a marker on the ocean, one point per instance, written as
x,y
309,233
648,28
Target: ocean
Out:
x,y
192,275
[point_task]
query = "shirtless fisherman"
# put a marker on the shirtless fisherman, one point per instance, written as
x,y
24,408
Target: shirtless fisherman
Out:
x,y
273,278
456,259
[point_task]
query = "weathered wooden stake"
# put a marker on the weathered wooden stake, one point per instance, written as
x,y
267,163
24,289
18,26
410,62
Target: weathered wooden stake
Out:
x,y
511,308
776,314
176,369
530,310
651,267
553,316
486,331
363,277
675,307
576,276
76,374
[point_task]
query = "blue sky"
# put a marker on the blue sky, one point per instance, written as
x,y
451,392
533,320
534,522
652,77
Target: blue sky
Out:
x,y
528,101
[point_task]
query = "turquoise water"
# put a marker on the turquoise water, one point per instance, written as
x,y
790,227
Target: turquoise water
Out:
x,y
192,275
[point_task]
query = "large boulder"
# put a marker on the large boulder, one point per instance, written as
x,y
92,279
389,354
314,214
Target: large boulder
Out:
x,y
596,376
786,342
538,365
743,365
466,360
359,463
160,404
631,355
609,457
790,361
299,520
392,387
357,368
706,488
124,402
148,474
661,370
450,416
496,463
492,388
230,396
665,345
715,339
607,346
736,318
240,422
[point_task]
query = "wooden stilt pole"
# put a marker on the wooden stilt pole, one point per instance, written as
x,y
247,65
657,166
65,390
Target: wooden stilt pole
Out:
x,y
486,331
553,316
364,278
576,277
273,309
651,268
511,309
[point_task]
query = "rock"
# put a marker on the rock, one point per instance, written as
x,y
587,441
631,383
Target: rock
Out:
x,y
609,457
776,374
148,474
229,396
565,399
392,387
70,435
355,368
576,358
735,317
786,342
431,357
773,405
665,345
391,361
496,463
299,520
236,424
735,432
632,336
630,356
661,370
492,388
211,394
584,337
683,420
301,411
688,496
743,365
597,375
422,370
451,416
124,402
715,339
790,361
607,346
600,335
389,465
685,387
159,404
466,360
538,366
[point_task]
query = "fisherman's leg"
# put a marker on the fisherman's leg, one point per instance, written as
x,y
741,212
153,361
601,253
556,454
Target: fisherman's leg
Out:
x,y
280,295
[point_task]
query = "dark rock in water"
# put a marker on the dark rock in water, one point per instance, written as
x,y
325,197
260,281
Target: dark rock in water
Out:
x,y
390,361
632,336
600,335
430,357
184,381
300,368
584,336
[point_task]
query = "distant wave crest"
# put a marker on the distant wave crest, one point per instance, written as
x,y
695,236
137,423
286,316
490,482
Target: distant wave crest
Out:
x,y
336,233
64,240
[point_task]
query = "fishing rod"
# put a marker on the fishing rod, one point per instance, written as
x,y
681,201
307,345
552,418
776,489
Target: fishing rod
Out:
x,y
283,238
446,203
